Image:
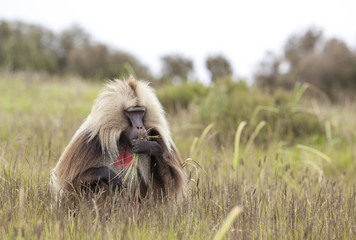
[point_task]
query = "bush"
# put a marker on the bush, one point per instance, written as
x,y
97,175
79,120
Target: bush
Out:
x,y
173,97
227,103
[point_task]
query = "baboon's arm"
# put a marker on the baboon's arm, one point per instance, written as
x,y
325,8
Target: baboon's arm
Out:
x,y
94,176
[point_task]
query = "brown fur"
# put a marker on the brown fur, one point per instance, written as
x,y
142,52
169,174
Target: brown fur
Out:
x,y
133,86
95,142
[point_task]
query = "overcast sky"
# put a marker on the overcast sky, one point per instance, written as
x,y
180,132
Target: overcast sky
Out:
x,y
241,30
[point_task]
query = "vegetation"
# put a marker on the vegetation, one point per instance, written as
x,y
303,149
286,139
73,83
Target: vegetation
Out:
x,y
270,161
26,47
176,68
262,166
328,64
307,57
218,66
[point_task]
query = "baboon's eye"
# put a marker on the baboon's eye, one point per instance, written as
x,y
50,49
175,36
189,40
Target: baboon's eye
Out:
x,y
135,116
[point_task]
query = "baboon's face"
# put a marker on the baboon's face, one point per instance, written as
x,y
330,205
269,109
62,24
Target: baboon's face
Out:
x,y
135,116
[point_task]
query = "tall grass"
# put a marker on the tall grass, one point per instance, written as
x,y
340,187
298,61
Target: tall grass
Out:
x,y
237,143
284,183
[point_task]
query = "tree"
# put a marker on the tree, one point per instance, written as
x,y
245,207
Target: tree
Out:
x,y
328,64
71,38
176,68
122,64
333,70
300,45
27,47
34,48
268,74
218,66
89,60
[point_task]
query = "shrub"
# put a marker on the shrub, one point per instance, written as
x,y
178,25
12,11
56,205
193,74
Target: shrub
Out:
x,y
227,103
173,97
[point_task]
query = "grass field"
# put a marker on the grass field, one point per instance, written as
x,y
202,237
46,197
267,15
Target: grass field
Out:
x,y
289,184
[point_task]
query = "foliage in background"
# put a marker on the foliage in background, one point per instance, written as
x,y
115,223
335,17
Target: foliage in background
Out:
x,y
226,103
308,57
32,48
175,97
328,64
26,47
176,69
218,66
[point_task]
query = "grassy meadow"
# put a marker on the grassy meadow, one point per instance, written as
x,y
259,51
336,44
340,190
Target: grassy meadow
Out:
x,y
286,159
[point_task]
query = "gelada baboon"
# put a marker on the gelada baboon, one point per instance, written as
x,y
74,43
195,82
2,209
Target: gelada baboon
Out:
x,y
124,143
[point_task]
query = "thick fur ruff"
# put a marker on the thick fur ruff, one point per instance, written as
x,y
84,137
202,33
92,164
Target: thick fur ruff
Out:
x,y
95,143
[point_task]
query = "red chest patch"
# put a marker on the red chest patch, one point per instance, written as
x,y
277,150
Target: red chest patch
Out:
x,y
124,159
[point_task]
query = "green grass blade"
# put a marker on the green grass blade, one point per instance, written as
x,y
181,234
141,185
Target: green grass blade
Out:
x,y
262,108
328,133
197,143
193,146
314,151
237,143
205,132
253,136
228,222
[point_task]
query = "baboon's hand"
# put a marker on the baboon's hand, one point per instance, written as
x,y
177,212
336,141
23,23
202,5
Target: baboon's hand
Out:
x,y
144,146
116,184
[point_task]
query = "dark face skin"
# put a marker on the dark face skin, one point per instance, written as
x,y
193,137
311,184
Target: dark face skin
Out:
x,y
137,134
135,116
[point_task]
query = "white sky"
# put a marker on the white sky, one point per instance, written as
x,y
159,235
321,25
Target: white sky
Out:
x,y
241,30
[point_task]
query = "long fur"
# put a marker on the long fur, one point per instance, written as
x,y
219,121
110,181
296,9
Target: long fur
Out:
x,y
95,142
